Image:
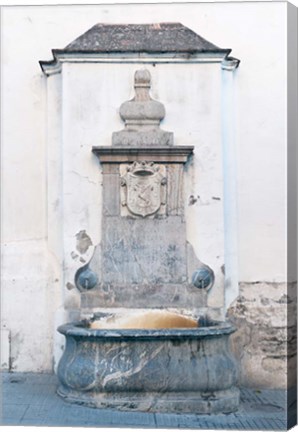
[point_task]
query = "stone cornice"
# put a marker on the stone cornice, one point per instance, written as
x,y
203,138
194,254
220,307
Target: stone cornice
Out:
x,y
165,154
230,64
55,66
136,43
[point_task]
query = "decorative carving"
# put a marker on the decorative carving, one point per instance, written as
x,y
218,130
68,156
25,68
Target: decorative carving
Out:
x,y
144,188
85,278
142,116
203,278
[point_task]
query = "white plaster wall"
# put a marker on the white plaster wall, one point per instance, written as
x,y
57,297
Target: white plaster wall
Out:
x,y
30,221
28,304
92,95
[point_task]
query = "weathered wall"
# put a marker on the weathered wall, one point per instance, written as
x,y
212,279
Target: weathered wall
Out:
x,y
266,318
33,288
89,118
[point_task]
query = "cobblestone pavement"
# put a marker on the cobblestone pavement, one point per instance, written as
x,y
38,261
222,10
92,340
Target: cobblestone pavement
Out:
x,y
30,399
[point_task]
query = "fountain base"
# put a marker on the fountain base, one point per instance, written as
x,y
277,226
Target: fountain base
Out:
x,y
225,401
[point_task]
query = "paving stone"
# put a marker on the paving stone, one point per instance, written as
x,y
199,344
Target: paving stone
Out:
x,y
132,419
166,420
42,411
44,407
32,422
13,411
10,422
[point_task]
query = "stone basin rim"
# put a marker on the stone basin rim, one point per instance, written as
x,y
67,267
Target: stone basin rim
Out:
x,y
79,329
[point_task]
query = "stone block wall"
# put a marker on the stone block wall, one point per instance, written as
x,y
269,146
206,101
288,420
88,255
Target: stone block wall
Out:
x,y
265,342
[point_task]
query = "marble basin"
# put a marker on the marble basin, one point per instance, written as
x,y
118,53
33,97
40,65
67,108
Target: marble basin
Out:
x,y
159,370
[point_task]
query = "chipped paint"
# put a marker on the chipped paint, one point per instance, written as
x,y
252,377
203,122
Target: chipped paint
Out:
x,y
74,255
83,242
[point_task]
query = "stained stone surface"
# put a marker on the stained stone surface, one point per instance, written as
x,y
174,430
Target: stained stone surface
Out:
x,y
144,296
224,401
148,138
149,251
145,258
175,190
147,263
111,194
153,370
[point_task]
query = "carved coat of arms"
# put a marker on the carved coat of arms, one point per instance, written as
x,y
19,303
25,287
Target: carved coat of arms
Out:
x,y
144,184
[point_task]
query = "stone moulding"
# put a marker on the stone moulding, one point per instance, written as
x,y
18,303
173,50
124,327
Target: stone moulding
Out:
x,y
55,66
212,329
175,154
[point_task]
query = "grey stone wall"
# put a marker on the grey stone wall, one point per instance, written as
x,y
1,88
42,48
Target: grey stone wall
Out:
x,y
144,259
144,262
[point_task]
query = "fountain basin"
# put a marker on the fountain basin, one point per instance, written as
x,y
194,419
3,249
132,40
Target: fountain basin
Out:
x,y
157,370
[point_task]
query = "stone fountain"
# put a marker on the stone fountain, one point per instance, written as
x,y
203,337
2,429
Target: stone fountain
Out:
x,y
146,338
153,359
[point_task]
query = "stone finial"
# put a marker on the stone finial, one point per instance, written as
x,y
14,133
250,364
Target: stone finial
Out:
x,y
142,116
142,112
142,78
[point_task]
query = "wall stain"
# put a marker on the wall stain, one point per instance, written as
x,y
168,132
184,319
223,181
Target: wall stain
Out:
x,y
83,242
192,200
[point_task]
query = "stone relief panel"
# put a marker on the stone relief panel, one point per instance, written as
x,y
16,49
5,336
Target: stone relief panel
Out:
x,y
143,189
